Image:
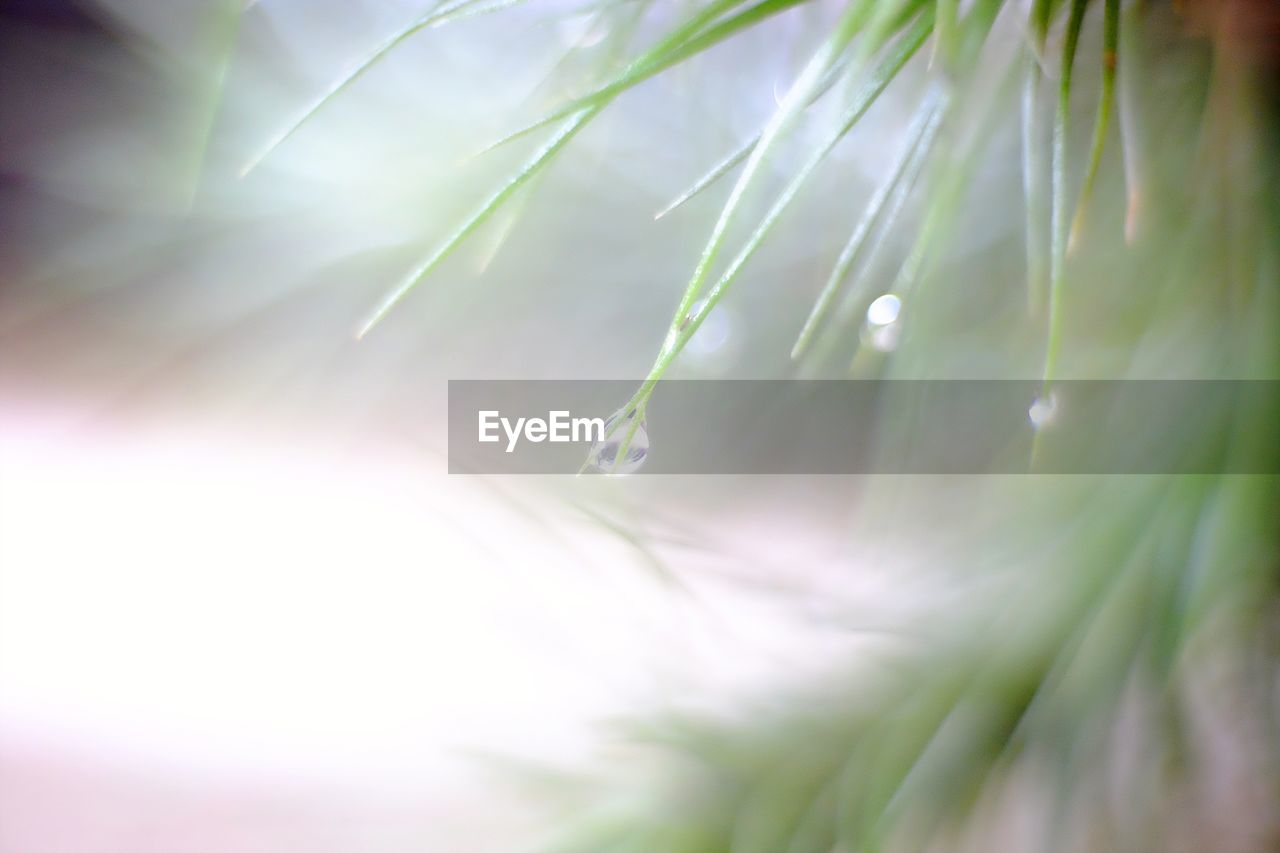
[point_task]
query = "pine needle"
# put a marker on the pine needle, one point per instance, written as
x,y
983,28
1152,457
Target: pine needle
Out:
x,y
1110,58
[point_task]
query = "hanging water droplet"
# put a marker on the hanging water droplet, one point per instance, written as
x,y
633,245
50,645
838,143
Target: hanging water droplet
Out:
x,y
1042,411
714,347
780,90
884,310
714,332
604,454
883,329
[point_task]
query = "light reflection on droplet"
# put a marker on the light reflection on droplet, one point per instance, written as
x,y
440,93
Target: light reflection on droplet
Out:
x,y
884,310
713,334
882,330
715,346
1042,411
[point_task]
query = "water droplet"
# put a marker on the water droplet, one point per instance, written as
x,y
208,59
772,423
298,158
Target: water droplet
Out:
x,y
883,330
716,344
604,454
714,332
779,91
1042,411
884,310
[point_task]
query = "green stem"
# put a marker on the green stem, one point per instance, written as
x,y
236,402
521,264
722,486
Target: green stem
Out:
x,y
919,138
1110,55
1058,228
1034,166
486,210
687,321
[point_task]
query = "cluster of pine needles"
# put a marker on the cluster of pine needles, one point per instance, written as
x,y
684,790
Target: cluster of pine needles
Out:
x,y
869,42
1130,591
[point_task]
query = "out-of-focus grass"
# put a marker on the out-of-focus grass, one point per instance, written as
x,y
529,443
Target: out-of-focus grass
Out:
x,y
1058,681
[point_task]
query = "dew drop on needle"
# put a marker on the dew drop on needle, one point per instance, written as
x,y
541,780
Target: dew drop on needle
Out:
x,y
604,454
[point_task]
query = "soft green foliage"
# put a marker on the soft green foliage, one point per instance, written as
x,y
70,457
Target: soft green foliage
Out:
x,y
885,206
863,30
441,13
1117,589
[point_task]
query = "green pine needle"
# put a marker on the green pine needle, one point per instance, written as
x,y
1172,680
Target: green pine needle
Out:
x,y
1110,59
